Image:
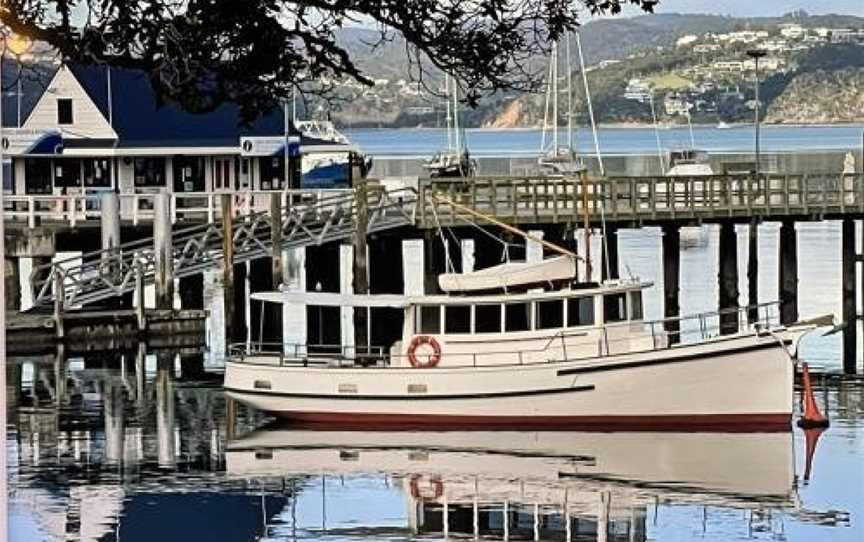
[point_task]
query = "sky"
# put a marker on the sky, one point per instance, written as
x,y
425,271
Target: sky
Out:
x,y
760,8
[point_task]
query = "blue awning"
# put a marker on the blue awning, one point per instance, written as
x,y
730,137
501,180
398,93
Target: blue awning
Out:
x,y
51,143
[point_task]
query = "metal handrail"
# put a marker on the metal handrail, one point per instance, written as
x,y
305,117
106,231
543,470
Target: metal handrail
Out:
x,y
239,351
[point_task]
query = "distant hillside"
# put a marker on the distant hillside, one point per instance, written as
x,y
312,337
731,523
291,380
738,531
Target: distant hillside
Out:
x,y
821,97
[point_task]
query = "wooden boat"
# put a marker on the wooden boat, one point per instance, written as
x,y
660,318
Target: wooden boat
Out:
x,y
579,356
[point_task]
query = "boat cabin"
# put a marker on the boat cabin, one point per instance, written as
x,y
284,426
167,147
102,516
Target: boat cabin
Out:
x,y
509,328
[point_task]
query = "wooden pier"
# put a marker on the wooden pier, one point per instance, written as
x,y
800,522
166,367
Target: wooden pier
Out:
x,y
235,229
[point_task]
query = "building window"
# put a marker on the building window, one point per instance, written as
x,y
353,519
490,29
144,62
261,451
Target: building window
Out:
x,y
457,319
64,111
67,172
149,171
97,172
580,311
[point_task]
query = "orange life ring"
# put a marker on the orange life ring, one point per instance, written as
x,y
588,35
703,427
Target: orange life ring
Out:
x,y
437,489
431,360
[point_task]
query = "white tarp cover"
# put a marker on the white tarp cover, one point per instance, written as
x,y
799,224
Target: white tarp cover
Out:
x,y
510,275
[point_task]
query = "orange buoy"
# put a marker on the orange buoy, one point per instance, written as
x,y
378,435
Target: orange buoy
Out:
x,y
811,417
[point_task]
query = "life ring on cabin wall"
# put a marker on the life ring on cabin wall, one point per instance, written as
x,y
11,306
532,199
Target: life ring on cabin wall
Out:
x,y
435,483
431,360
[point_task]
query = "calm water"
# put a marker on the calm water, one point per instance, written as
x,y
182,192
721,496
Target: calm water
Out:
x,y
615,140
139,445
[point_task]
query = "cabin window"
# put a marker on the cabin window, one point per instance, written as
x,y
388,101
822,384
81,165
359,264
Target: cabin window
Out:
x,y
636,305
580,311
550,314
457,319
430,319
64,111
487,319
614,307
517,316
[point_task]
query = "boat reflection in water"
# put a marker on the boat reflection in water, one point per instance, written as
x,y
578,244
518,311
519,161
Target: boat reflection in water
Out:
x,y
535,485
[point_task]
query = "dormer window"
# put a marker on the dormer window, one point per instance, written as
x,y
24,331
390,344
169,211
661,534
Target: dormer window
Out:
x,y
64,111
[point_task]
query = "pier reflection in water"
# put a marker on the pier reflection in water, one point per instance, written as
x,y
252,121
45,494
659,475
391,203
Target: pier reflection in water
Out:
x,y
136,445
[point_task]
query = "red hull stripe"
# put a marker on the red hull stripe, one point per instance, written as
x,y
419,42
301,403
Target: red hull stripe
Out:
x,y
695,422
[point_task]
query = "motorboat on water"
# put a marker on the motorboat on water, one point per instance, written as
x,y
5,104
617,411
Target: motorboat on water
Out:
x,y
328,162
516,347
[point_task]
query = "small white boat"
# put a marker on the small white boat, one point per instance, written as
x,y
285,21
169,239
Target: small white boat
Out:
x,y
723,125
580,356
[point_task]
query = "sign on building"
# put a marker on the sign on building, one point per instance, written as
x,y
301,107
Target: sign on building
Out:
x,y
269,145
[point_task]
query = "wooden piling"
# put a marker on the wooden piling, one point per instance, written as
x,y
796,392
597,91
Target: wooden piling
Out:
x,y
163,251
671,270
12,283
361,276
140,309
727,280
109,220
274,310
59,303
610,252
753,270
788,272
226,201
850,316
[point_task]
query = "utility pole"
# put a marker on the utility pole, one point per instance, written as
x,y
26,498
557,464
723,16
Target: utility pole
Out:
x,y
756,54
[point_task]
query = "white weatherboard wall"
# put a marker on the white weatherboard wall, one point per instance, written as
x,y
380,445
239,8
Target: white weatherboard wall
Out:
x,y
534,249
346,286
412,266
88,120
294,315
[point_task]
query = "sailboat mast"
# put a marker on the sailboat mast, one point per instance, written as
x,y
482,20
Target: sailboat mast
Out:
x,y
555,97
449,119
456,118
546,109
569,97
656,133
590,106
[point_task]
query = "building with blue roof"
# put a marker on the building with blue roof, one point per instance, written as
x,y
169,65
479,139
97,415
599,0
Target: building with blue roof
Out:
x,y
95,128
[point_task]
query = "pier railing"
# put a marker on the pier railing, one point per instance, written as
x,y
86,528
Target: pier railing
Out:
x,y
543,199
589,343
188,207
326,217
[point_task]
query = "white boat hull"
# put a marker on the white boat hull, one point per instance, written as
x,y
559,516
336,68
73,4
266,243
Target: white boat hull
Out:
x,y
741,382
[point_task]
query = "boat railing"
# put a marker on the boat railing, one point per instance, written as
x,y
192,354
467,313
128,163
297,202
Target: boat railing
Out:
x,y
565,345
308,354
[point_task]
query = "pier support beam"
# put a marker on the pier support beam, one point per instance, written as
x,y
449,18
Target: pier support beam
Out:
x,y
165,422
467,246
753,270
361,263
412,267
346,286
671,271
850,314
229,312
294,316
727,280
12,283
274,310
610,252
534,249
109,218
788,272
163,253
